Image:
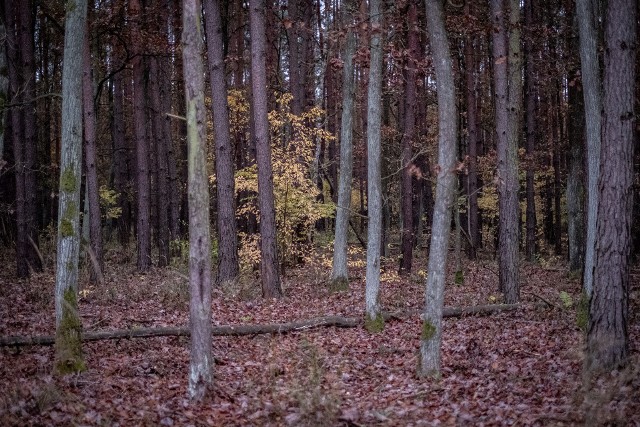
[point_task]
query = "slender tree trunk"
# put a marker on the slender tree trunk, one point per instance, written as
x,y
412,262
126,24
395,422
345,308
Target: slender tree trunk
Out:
x,y
90,156
4,87
227,229
120,160
340,274
431,337
374,184
607,333
143,214
201,365
406,183
508,105
590,69
269,264
68,356
530,113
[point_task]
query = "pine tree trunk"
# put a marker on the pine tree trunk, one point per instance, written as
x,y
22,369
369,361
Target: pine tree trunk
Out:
x,y
340,274
431,337
227,229
269,264
530,117
374,184
201,364
607,333
68,356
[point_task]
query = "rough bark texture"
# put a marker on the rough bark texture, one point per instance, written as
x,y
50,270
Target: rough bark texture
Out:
x,y
591,84
225,184
508,106
340,274
201,363
431,338
374,184
269,264
143,214
90,158
406,183
68,324
607,335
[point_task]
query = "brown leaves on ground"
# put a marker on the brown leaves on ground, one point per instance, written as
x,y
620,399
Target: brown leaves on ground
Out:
x,y
511,368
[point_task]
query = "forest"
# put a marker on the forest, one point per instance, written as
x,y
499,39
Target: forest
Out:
x,y
319,212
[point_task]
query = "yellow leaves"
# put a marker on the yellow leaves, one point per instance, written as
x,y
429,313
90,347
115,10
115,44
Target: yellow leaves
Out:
x,y
108,201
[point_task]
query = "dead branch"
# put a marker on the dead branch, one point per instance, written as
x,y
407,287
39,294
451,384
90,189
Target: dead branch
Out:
x,y
239,330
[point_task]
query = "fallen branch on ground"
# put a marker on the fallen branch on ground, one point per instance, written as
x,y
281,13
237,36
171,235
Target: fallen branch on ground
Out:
x,y
238,330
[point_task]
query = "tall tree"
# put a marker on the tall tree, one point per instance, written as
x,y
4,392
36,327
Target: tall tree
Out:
x,y
340,274
225,184
68,324
201,366
592,90
269,264
607,335
508,108
143,193
374,179
408,136
90,156
4,85
431,338
530,118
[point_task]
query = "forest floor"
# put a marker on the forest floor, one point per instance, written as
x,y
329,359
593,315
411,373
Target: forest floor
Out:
x,y
522,367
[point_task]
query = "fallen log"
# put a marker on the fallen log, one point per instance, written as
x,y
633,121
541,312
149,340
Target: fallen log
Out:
x,y
239,330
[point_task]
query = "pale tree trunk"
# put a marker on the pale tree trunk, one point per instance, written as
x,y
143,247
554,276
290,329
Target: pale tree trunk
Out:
x,y
143,214
269,264
406,183
591,84
90,156
201,364
225,184
340,274
607,333
431,337
68,356
508,108
374,180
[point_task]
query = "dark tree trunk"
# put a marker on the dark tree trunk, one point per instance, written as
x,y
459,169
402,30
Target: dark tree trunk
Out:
x,y
227,229
90,157
120,161
607,334
406,183
143,194
530,117
269,264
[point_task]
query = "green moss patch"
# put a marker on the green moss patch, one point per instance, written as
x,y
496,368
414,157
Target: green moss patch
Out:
x,y
374,325
428,330
69,358
340,284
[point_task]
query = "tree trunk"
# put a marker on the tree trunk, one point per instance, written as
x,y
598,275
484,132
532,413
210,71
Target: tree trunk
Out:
x,y
590,69
143,214
431,337
374,184
406,183
225,184
340,274
201,364
269,264
530,113
90,157
607,334
508,106
68,356
4,87
120,160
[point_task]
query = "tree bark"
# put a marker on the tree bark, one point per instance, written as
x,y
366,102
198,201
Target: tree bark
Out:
x,y
406,182
607,334
530,117
340,274
269,264
374,184
4,88
120,160
68,356
143,214
201,364
431,337
591,82
225,184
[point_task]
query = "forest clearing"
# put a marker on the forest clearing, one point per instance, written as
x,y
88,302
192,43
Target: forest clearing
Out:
x,y
521,367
